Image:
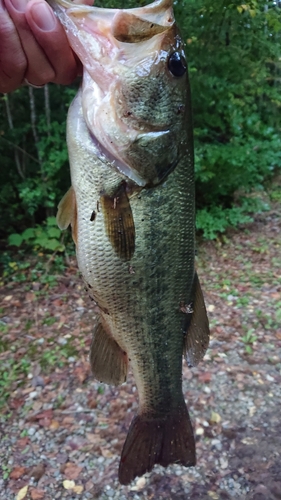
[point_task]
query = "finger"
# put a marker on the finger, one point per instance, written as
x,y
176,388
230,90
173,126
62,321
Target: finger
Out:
x,y
83,2
52,39
13,62
39,70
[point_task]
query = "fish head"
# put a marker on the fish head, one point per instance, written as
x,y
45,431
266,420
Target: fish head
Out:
x,y
135,90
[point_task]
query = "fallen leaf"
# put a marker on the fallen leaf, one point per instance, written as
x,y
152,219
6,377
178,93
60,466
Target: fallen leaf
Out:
x,y
78,489
223,463
54,425
140,484
215,418
213,495
205,377
36,494
67,421
252,410
89,485
38,471
17,303
16,403
22,442
44,414
22,493
8,298
45,422
29,296
249,440
82,372
68,485
37,405
58,302
62,322
17,472
94,438
106,453
72,471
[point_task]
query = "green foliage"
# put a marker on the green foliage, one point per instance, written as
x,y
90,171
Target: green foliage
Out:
x,y
11,373
36,269
46,237
233,51
34,170
248,339
214,220
217,219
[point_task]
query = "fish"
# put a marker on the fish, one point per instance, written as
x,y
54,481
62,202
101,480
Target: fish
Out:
x,y
131,207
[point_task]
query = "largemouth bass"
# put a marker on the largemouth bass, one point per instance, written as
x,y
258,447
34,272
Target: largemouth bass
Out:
x,y
131,208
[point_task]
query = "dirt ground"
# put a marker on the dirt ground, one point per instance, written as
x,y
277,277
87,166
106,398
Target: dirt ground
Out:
x,y
62,432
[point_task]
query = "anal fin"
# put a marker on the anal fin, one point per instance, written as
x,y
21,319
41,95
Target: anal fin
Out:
x,y
196,327
164,440
108,362
119,222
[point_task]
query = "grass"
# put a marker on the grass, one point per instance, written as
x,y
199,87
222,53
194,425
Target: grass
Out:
x,y
32,340
13,372
249,339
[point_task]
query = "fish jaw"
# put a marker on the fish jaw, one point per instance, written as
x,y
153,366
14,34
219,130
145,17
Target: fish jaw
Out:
x,y
92,30
122,80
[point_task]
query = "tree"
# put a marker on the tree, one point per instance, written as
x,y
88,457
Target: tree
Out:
x,y
233,51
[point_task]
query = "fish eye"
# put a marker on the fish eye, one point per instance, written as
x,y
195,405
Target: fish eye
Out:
x,y
177,64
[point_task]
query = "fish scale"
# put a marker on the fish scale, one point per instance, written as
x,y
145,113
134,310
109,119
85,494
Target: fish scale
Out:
x,y
131,208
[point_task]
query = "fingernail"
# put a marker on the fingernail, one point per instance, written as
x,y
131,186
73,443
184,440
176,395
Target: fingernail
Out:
x,y
43,16
19,5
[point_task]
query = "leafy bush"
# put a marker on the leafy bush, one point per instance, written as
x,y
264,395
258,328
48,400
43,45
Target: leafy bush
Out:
x,y
46,237
235,68
34,156
233,51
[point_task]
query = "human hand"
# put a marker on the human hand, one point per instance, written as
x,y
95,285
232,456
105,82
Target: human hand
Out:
x,y
33,45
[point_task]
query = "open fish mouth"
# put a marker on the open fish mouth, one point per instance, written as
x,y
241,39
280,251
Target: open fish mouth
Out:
x,y
124,55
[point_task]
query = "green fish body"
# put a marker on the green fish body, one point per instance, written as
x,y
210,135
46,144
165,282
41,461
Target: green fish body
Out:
x,y
131,208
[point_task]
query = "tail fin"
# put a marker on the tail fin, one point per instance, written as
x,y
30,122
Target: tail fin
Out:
x,y
151,441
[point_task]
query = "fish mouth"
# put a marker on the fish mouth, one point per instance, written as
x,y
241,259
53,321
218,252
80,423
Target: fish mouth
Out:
x,y
105,32
113,43
159,12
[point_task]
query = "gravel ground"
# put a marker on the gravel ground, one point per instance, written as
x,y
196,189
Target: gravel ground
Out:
x,y
62,433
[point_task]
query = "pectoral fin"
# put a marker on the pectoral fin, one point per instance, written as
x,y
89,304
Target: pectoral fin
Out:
x,y
67,213
119,222
108,361
196,327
